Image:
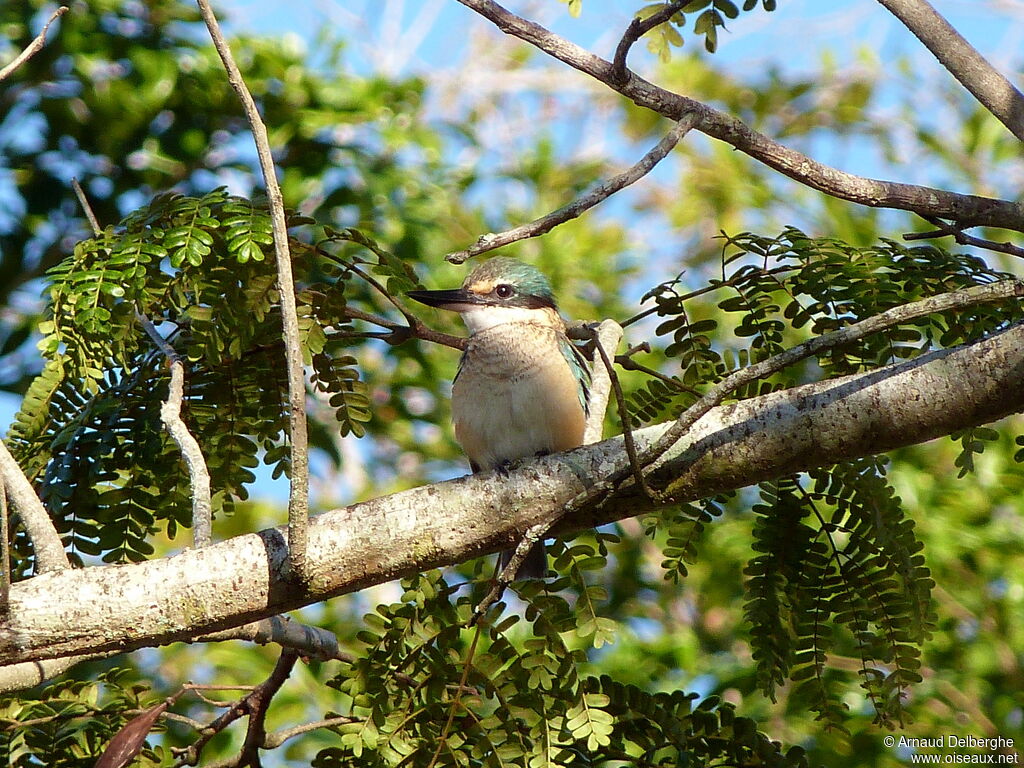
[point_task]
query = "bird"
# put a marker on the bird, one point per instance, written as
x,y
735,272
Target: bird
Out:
x,y
522,386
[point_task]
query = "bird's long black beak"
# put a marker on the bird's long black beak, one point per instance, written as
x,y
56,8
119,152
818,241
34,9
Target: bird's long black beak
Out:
x,y
450,299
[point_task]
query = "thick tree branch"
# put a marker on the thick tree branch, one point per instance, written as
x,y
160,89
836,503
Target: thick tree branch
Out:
x,y
966,210
298,496
245,578
573,210
965,297
962,60
46,544
34,47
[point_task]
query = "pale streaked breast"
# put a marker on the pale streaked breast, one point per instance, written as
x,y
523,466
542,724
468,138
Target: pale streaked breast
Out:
x,y
515,397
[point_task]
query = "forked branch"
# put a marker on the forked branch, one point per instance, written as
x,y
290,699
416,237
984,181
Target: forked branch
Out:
x,y
965,210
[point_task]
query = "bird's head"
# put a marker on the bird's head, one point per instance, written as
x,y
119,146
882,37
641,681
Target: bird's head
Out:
x,y
500,290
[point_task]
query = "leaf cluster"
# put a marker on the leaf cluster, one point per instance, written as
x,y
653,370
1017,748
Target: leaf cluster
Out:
x,y
710,16
777,291
202,271
69,724
428,690
852,577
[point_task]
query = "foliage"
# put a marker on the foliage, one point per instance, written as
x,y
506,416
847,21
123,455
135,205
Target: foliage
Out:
x,y
778,291
71,722
710,16
503,701
90,428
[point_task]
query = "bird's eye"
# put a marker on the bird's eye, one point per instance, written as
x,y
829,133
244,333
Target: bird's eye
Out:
x,y
504,291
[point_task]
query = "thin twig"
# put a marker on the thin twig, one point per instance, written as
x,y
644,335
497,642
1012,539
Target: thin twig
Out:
x,y
708,289
277,738
962,60
574,209
962,238
191,452
629,364
533,535
627,430
298,495
46,543
373,282
252,704
84,202
638,28
458,697
34,47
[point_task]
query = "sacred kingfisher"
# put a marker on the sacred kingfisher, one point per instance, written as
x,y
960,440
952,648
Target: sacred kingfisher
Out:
x,y
522,386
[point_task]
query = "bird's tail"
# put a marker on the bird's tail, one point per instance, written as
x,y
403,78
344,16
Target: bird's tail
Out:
x,y
535,566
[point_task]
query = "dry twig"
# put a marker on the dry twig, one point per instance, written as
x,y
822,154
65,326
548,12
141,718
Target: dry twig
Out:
x,y
574,209
34,47
962,238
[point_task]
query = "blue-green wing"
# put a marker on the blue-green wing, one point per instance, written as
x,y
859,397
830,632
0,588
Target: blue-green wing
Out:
x,y
580,369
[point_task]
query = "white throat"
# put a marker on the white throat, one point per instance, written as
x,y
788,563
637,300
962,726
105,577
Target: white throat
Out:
x,y
482,318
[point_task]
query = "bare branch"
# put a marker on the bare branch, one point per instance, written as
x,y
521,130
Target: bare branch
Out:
x,y
5,553
638,28
84,202
962,238
34,47
258,703
298,496
46,543
967,210
582,204
607,337
254,705
277,738
191,452
989,86
308,640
